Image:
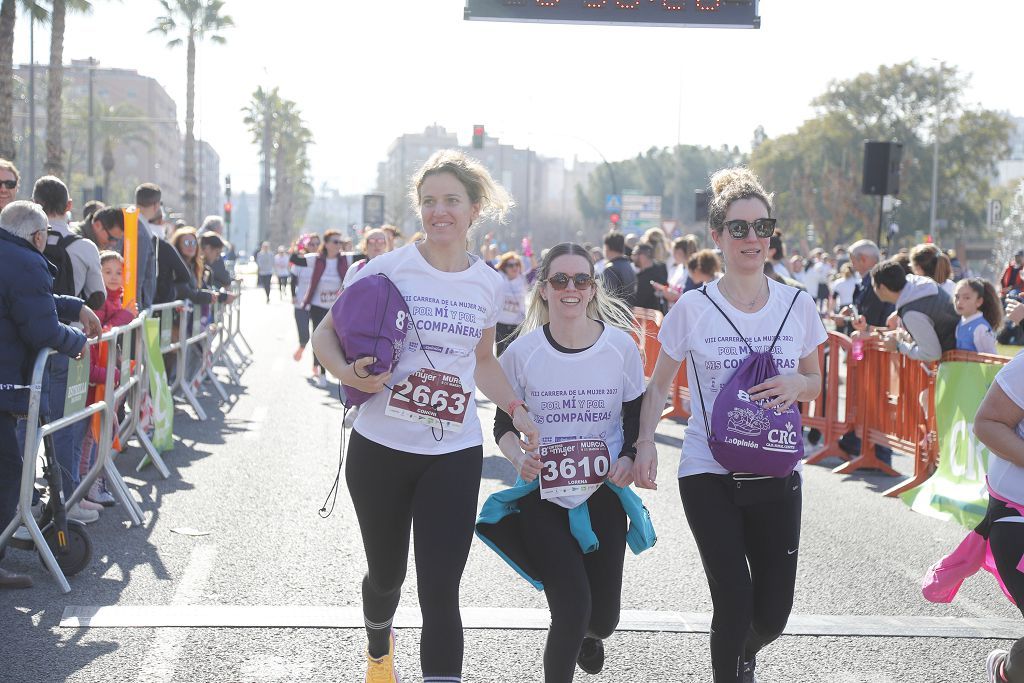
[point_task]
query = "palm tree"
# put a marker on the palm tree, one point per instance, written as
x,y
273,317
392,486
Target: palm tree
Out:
x,y
54,164
259,117
198,19
8,14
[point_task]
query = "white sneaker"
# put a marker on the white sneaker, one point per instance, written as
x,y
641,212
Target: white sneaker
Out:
x,y
994,664
80,514
89,505
350,416
321,381
99,494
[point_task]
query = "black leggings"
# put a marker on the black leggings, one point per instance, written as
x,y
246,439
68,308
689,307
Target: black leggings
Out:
x,y
748,534
583,591
316,315
392,490
1007,542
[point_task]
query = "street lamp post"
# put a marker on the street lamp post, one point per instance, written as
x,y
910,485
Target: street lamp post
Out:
x,y
935,155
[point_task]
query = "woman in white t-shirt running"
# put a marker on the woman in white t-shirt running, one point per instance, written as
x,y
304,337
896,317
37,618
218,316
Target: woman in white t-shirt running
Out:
x,y
400,471
327,269
513,310
747,528
999,424
574,340
301,275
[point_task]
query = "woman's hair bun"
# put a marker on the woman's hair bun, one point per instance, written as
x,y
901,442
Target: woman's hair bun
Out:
x,y
738,178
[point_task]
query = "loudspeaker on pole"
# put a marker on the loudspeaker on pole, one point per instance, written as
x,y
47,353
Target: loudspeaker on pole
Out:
x,y
881,167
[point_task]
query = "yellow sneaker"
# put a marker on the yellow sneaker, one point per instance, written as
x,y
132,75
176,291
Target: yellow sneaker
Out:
x,y
383,670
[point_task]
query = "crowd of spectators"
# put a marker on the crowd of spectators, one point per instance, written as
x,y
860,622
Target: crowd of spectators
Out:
x,y
62,280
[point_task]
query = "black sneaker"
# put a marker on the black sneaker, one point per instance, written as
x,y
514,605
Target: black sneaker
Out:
x,y
747,675
591,657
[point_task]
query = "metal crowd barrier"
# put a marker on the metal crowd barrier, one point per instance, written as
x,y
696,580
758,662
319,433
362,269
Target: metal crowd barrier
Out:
x,y
34,435
125,351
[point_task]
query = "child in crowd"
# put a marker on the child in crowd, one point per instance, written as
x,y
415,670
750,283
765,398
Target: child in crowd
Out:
x,y
111,314
980,313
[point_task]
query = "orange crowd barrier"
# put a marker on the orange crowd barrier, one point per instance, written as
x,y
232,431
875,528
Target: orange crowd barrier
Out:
x,y
650,323
833,412
887,398
896,408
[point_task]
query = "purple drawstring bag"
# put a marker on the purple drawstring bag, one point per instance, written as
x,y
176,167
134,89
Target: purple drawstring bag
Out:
x,y
371,319
743,436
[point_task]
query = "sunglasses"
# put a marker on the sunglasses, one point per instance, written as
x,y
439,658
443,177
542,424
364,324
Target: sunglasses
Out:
x,y
376,240
9,184
560,281
334,242
739,229
188,243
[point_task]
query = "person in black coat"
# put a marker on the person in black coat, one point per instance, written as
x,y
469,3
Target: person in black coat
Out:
x,y
618,277
651,272
30,320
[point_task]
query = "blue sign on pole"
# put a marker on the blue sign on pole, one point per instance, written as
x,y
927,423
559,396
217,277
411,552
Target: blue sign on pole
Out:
x,y
612,203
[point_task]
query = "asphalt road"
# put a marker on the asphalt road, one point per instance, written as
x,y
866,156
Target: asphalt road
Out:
x,y
252,477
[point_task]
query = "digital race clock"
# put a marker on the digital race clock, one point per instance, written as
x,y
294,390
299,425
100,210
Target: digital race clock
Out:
x,y
715,13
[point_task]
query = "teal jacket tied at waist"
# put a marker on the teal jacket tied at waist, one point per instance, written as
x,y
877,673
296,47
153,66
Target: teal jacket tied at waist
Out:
x,y
498,527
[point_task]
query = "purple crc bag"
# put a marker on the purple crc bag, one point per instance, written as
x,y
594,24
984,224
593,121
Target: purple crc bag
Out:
x,y
743,436
371,319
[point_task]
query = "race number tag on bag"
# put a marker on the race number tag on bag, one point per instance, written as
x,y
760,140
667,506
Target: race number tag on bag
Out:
x,y
430,397
573,467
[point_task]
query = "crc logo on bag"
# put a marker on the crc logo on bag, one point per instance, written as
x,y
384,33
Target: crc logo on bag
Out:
x,y
782,440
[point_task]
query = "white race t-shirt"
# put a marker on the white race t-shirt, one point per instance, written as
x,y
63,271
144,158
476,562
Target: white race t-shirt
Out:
x,y
694,324
303,276
329,288
451,312
1004,477
513,310
842,289
574,396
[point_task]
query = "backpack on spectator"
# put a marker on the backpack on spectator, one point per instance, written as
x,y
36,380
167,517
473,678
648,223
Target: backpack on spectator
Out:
x,y
56,252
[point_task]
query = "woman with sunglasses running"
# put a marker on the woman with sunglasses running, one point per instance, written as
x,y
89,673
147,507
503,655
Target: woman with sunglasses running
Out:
x,y
401,472
327,268
747,528
581,373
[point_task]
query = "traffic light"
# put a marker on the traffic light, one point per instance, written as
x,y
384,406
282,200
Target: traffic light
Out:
x,y
478,137
227,196
615,218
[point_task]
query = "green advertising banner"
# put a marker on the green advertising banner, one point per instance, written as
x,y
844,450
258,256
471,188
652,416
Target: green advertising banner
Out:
x,y
78,383
163,402
957,490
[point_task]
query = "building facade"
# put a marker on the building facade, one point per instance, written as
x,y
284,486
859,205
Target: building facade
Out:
x,y
544,189
135,135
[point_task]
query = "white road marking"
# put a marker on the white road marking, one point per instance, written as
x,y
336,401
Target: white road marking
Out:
x,y
163,657
312,616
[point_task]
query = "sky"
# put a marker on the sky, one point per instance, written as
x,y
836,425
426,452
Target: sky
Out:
x,y
364,72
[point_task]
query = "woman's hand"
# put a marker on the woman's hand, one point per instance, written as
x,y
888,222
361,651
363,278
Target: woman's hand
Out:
x,y
645,465
780,391
528,428
621,473
356,375
528,465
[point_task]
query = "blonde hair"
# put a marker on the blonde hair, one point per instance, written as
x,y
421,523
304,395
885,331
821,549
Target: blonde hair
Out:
x,y
657,239
495,202
603,306
388,239
731,185
197,261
